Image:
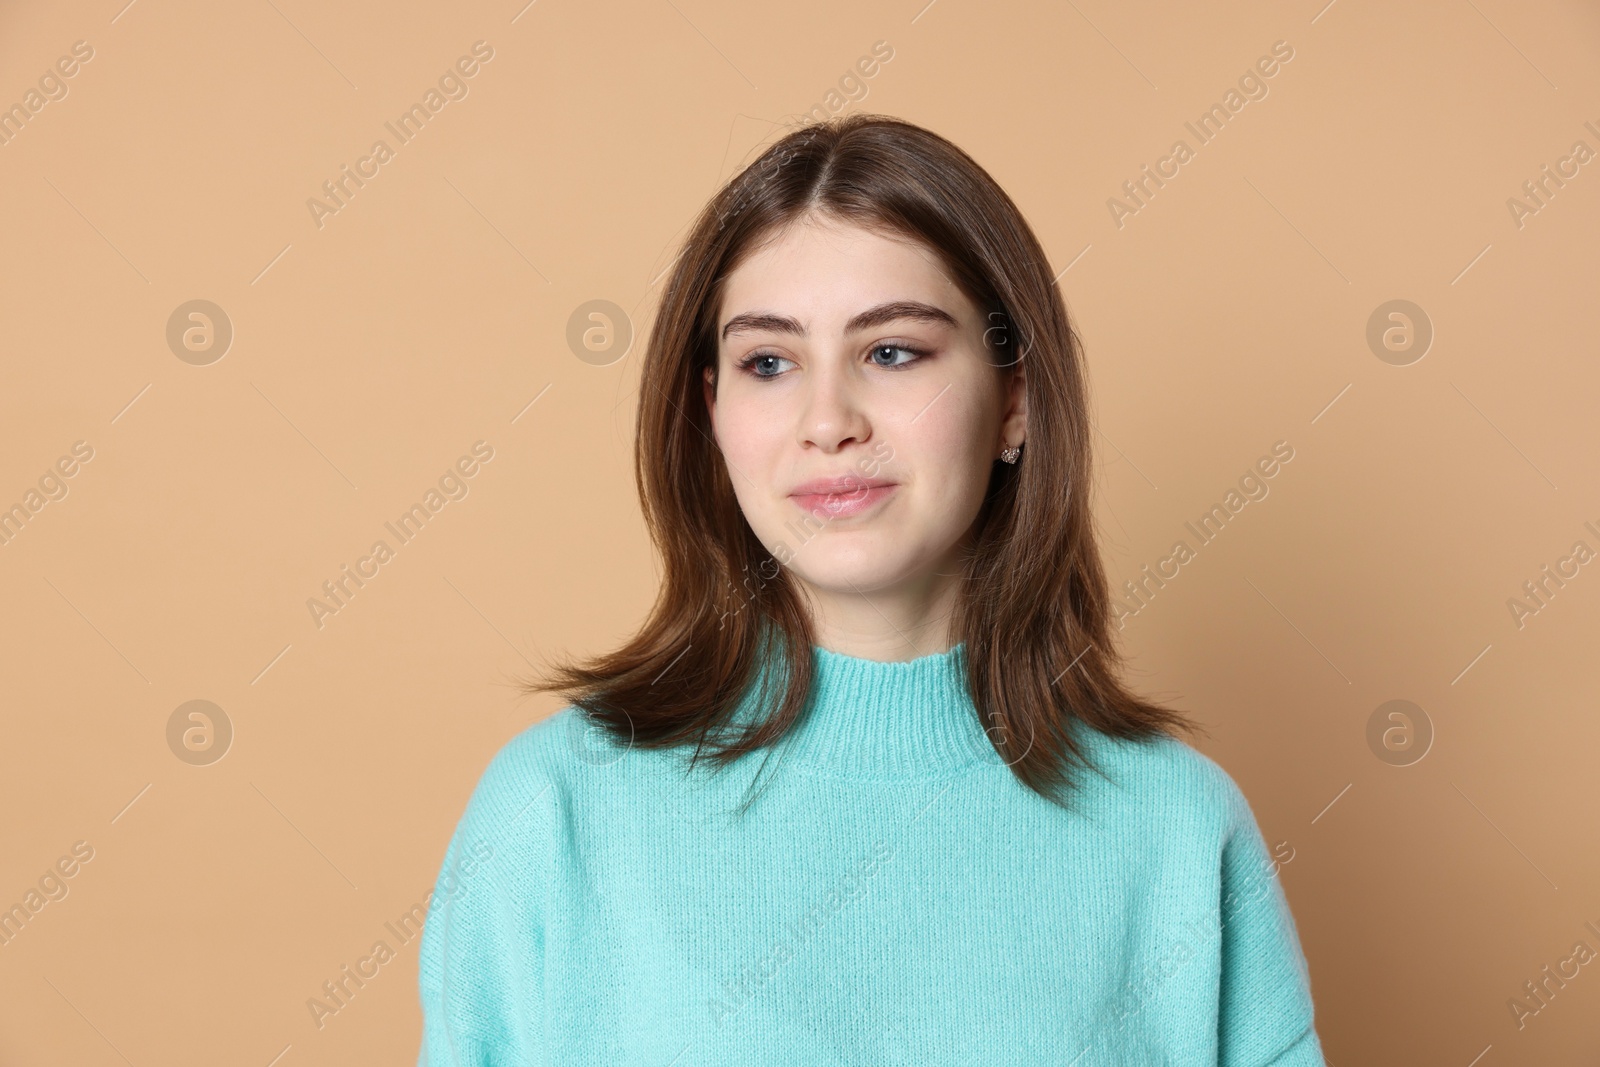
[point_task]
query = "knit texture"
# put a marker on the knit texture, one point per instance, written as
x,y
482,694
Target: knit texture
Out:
x,y
893,896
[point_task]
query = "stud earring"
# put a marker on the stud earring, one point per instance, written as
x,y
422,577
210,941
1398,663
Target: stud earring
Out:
x,y
1010,454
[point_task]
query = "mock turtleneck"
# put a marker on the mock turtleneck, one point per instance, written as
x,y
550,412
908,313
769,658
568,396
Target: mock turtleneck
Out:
x,y
888,900
872,719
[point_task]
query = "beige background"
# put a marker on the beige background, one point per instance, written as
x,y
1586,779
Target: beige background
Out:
x,y
1229,313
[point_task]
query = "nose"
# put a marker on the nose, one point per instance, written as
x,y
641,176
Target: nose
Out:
x,y
832,414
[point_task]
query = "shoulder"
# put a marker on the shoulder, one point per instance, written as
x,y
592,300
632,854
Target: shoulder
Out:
x,y
1166,774
520,791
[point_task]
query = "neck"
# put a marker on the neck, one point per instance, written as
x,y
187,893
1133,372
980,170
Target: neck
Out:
x,y
892,625
883,720
895,623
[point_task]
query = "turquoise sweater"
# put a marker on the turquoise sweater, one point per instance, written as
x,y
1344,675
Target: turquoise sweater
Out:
x,y
894,896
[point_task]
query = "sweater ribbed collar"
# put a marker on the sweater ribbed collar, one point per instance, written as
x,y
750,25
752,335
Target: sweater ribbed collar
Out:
x,y
867,719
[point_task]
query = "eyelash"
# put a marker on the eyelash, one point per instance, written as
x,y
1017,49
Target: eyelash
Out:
x,y
747,362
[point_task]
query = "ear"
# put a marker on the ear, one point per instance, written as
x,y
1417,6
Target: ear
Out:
x,y
709,386
1014,417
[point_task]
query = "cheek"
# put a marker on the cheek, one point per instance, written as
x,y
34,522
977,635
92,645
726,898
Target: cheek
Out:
x,y
753,446
746,433
950,463
945,445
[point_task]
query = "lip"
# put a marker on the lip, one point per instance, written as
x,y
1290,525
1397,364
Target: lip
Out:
x,y
841,497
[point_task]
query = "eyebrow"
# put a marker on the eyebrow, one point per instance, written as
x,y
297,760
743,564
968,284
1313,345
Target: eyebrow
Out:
x,y
893,311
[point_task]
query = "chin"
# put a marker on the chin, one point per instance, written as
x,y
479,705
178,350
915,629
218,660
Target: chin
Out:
x,y
848,571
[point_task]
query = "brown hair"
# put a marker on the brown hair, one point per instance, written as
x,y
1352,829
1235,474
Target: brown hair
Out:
x,y
1034,611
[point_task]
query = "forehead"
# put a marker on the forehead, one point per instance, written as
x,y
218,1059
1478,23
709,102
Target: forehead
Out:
x,y
824,271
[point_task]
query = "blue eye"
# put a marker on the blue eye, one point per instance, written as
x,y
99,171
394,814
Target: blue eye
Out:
x,y
749,362
756,364
915,352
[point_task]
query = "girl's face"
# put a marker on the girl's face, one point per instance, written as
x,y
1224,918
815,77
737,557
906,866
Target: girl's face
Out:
x,y
851,357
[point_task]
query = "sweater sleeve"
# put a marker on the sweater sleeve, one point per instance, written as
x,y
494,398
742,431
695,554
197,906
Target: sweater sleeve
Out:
x,y
1265,1014
481,961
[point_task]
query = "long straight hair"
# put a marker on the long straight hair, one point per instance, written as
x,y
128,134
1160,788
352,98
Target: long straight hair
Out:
x,y
1034,610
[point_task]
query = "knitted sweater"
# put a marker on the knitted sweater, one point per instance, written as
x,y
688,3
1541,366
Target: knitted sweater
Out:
x,y
893,896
